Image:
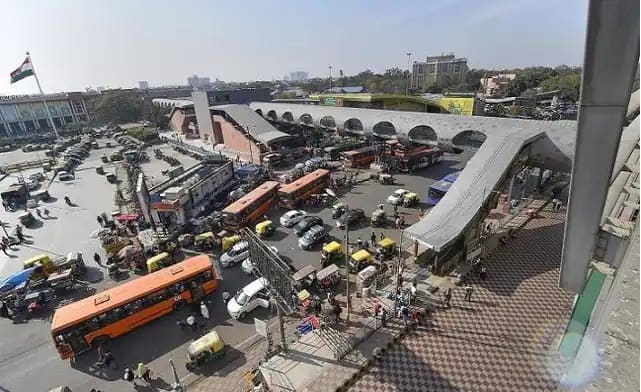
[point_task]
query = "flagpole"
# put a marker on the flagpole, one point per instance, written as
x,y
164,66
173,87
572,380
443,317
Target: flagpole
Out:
x,y
35,75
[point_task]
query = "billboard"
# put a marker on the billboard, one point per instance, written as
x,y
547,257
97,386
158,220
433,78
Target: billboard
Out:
x,y
458,105
331,101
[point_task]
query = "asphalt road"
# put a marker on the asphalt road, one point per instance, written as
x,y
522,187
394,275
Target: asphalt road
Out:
x,y
28,360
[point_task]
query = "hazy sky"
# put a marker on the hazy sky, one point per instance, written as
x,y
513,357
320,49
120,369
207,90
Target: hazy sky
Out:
x,y
79,43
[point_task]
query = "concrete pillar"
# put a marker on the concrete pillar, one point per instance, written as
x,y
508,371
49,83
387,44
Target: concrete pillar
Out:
x,y
509,194
608,73
539,179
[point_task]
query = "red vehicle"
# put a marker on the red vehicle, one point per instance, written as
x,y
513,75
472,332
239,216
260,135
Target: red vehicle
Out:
x,y
251,207
294,193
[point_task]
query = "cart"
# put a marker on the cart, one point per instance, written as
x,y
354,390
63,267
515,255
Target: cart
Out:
x,y
328,277
305,277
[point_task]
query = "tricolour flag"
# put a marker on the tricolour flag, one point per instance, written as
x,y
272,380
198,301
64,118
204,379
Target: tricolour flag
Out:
x,y
24,70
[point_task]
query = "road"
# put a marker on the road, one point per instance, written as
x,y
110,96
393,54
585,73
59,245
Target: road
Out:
x,y
28,360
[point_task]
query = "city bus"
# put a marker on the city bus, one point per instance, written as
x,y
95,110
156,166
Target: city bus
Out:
x,y
92,321
250,207
293,194
437,190
414,159
333,153
360,158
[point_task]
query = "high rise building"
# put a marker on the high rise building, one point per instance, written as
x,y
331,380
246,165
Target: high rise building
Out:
x,y
435,68
298,76
196,81
143,85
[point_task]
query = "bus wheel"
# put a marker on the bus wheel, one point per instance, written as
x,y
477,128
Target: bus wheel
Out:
x,y
99,341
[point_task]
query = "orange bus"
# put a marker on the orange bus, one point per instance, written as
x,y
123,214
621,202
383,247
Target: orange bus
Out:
x,y
294,193
360,158
250,207
92,321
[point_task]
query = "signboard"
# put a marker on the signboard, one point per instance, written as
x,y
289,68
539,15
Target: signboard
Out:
x,y
458,105
331,101
261,327
166,206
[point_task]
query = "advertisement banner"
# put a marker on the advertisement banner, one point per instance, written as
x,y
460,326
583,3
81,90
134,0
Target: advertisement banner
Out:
x,y
458,105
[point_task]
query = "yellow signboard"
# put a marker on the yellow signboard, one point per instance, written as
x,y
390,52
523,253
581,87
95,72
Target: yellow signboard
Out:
x,y
458,105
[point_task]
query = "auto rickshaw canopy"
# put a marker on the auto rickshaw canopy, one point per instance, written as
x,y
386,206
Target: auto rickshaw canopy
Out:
x,y
327,271
386,243
361,256
228,242
206,236
262,227
153,262
45,260
210,341
410,196
332,247
304,272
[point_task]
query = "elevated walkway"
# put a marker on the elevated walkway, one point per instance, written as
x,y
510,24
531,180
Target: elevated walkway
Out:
x,y
483,173
259,128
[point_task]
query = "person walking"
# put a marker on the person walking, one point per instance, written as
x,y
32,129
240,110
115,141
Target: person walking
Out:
x,y
46,212
3,246
100,222
373,238
96,258
359,243
226,296
483,272
191,321
447,297
144,372
381,236
129,375
204,311
68,200
468,293
405,313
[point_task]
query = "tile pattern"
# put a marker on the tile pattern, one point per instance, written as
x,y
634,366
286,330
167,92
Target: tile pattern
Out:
x,y
504,340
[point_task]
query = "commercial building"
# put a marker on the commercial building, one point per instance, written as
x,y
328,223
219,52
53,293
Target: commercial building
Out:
x,y
409,103
492,84
196,81
23,114
435,68
298,76
181,198
143,85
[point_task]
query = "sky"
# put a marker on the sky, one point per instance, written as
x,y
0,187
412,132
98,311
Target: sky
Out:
x,y
76,44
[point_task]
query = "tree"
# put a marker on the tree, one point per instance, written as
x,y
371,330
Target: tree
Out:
x,y
119,107
159,116
569,85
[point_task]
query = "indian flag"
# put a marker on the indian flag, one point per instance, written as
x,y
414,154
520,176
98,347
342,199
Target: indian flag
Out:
x,y
24,70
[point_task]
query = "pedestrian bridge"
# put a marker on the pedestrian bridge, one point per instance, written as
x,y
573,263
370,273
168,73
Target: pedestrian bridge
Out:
x,y
501,143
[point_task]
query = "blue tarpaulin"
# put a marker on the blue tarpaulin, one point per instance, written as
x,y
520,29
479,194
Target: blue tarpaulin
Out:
x,y
17,279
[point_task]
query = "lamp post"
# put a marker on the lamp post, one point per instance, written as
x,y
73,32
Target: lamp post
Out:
x,y
330,78
409,77
177,385
347,307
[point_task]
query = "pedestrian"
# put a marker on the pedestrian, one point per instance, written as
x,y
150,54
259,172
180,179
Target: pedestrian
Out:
x,y
413,291
191,321
101,353
483,272
373,238
204,311
108,359
3,246
46,212
359,243
226,296
381,236
447,297
337,312
383,317
181,323
144,372
468,293
96,258
38,213
100,222
405,313
68,200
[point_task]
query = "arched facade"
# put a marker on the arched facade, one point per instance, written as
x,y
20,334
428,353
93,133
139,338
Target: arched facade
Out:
x,y
271,115
423,134
328,122
353,125
288,117
306,119
469,138
384,129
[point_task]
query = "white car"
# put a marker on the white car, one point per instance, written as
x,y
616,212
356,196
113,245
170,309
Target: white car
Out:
x,y
65,176
397,197
248,266
290,218
249,298
237,253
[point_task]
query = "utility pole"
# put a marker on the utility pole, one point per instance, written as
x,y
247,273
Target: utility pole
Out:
x,y
330,78
409,77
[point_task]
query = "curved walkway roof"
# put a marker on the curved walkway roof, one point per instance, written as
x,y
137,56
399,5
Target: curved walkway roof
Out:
x,y
259,128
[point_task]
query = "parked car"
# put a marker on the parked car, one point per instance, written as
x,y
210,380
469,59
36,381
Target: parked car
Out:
x,y
352,216
65,176
37,176
249,298
249,267
305,223
312,236
290,218
237,253
396,198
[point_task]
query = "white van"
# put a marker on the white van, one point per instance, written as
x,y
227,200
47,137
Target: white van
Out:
x,y
249,298
236,254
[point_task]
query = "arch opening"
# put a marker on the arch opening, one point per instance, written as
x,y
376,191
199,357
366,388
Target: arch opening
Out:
x,y
469,138
328,122
259,112
306,119
384,129
354,125
288,117
272,115
423,134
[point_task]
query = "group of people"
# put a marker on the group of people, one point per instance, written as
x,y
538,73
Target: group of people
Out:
x,y
556,204
192,322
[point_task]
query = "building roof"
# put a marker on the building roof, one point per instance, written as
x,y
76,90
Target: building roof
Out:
x,y
346,89
259,128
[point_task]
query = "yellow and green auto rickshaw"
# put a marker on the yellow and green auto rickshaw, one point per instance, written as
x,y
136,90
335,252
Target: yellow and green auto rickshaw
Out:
x,y
204,349
410,199
264,228
385,248
44,261
204,241
331,253
360,260
229,241
159,261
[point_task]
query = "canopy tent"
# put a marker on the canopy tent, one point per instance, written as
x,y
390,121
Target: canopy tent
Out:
x,y
17,279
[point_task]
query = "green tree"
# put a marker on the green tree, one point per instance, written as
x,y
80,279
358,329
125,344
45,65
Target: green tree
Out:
x,y
119,107
159,116
569,85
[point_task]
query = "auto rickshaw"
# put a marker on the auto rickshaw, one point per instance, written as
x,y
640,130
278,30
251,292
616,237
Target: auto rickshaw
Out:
x,y
385,248
264,228
365,280
100,170
328,277
304,277
360,260
229,241
386,179
204,241
338,209
410,199
331,253
45,261
379,217
205,349
159,261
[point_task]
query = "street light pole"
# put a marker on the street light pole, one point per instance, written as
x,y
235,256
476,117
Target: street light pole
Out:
x,y
177,385
330,78
347,302
409,77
